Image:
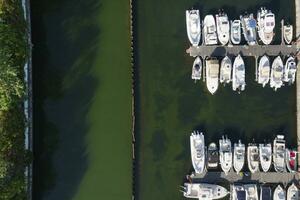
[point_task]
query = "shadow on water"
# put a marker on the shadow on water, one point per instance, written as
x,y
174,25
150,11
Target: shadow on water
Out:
x,y
65,38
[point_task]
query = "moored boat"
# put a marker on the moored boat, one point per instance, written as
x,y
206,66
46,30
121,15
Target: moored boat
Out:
x,y
288,33
238,74
225,154
225,72
253,158
203,191
251,192
292,192
276,79
238,156
197,69
265,193
264,69
197,151
291,160
290,69
193,26
279,153
212,74
238,192
235,33
223,28
249,28
265,156
210,31
265,25
279,193
212,156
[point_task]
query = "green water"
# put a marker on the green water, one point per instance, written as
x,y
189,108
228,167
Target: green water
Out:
x,y
171,105
82,99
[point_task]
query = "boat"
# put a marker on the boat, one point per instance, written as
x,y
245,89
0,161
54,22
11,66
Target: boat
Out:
x,y
193,26
279,193
265,193
288,33
253,158
264,69
291,160
197,69
290,69
276,79
238,192
222,28
279,153
210,31
198,151
212,74
235,34
249,28
238,74
225,71
225,154
212,156
265,156
251,192
238,156
204,191
292,192
265,25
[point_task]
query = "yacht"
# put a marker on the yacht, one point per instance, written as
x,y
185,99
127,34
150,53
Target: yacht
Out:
x,y
264,69
265,193
291,160
225,154
265,25
279,153
276,79
238,192
223,28
212,74
249,28
253,158
292,192
225,72
238,74
197,69
198,151
203,191
212,156
238,156
288,33
235,34
290,69
251,192
279,193
265,156
193,26
210,31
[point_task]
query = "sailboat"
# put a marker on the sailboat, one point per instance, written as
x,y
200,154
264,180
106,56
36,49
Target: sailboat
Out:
x,y
238,156
198,151
193,26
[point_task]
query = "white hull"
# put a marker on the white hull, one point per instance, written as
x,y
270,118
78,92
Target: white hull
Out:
x,y
193,26
225,152
210,31
212,75
290,69
291,160
238,74
197,69
265,156
203,191
288,33
264,69
198,151
238,156
292,192
251,192
249,28
279,193
276,79
253,158
235,34
266,25
279,153
223,28
225,72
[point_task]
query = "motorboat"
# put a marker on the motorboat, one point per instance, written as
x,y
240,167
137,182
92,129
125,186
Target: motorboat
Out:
x,y
223,28
265,25
197,69
249,28
238,156
198,151
288,33
291,160
292,192
264,69
193,26
276,79
253,158
265,156
210,31
212,156
279,193
251,192
212,74
203,191
290,69
279,153
225,153
238,74
265,193
225,71
235,34
238,192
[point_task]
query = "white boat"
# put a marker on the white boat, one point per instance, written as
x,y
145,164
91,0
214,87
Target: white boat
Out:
x,y
225,154
225,72
238,192
290,69
291,160
197,69
253,158
235,34
198,151
203,191
276,79
251,192
212,74
210,31
223,28
249,28
292,192
279,193
265,156
193,26
265,25
264,69
265,193
238,74
288,33
212,156
279,153
238,156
